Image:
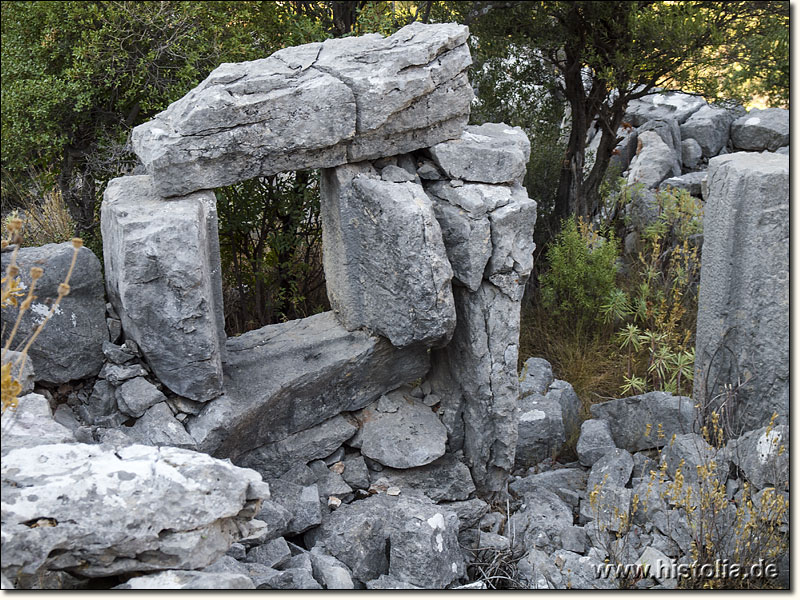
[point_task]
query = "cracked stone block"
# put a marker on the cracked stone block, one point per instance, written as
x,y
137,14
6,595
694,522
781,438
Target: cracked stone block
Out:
x,y
312,106
163,278
385,263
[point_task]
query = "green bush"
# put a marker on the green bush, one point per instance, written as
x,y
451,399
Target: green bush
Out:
x,y
581,275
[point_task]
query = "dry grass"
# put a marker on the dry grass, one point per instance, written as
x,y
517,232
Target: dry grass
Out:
x,y
591,362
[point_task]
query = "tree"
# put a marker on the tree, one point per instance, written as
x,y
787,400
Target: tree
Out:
x,y
76,76
607,54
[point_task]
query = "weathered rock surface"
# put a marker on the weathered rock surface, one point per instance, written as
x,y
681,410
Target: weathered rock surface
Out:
x,y
648,420
536,377
401,432
285,378
406,538
691,153
614,468
159,427
689,451
188,580
137,395
71,344
482,383
126,509
691,182
761,129
655,162
674,105
163,278
30,424
743,307
445,479
488,153
540,429
21,370
541,520
311,106
710,127
594,442
302,503
273,460
758,453
385,262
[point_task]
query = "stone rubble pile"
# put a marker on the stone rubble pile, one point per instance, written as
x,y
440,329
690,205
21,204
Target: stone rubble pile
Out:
x,y
390,443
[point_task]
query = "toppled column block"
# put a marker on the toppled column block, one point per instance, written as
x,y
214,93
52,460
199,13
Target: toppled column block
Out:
x,y
385,263
71,344
489,153
743,308
163,278
312,106
285,378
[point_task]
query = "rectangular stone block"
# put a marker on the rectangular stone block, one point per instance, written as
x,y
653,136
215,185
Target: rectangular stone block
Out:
x,y
743,308
386,267
313,106
163,278
285,378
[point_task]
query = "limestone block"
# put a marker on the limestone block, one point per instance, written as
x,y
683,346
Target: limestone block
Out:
x,y
710,127
743,308
385,262
312,106
163,278
766,129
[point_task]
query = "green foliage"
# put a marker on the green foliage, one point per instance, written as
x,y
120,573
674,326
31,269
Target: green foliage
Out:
x,y
270,245
580,276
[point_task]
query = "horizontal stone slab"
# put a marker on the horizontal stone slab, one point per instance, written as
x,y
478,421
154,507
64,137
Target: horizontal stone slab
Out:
x,y
285,378
312,106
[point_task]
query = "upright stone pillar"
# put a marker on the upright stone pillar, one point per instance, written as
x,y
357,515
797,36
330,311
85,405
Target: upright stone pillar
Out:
x,y
488,234
163,278
743,312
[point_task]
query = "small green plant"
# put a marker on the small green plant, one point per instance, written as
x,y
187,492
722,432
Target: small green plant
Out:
x,y
581,275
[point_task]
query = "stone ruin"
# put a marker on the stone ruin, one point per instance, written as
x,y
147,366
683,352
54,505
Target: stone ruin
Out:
x,y
427,246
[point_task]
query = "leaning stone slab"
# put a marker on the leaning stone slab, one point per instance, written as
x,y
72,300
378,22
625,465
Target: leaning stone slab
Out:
x,y
655,162
488,153
163,278
385,262
71,344
126,509
743,308
286,378
648,420
766,129
312,106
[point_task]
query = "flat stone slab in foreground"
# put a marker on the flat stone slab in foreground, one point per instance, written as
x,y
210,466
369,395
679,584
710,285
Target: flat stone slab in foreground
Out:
x,y
284,378
96,510
311,106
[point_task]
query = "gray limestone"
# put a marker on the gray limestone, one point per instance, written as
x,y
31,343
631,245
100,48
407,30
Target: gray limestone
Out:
x,y
163,278
70,346
136,395
273,460
691,153
188,580
595,441
285,378
710,127
761,129
302,503
743,307
96,533
445,479
658,105
311,106
655,162
385,263
488,153
648,420
158,427
763,456
401,432
691,182
21,370
31,423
